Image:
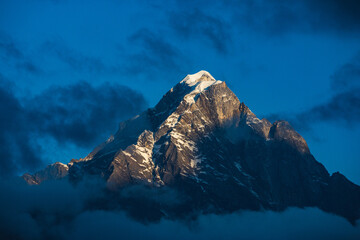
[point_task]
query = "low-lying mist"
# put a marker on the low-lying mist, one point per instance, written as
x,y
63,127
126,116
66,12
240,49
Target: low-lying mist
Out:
x,y
60,210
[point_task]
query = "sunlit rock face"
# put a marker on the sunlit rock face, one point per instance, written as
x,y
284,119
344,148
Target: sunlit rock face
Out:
x,y
201,140
52,172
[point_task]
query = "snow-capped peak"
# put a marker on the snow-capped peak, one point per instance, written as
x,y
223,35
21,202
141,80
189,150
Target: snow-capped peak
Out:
x,y
193,79
199,82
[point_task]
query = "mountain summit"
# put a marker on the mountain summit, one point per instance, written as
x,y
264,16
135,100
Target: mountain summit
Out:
x,y
202,141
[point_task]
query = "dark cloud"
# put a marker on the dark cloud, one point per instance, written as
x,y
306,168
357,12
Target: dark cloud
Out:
x,y
195,23
59,210
10,53
29,67
17,150
271,17
294,224
348,76
74,59
150,52
155,53
276,17
340,15
41,212
343,107
211,22
8,48
80,114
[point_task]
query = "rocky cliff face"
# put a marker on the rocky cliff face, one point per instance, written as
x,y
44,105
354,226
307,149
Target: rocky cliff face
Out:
x,y
52,172
201,140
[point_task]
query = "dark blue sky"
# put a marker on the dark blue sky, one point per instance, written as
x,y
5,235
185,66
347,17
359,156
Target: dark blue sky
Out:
x,y
71,70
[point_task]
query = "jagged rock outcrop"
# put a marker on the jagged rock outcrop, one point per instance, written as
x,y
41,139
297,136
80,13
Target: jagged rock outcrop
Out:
x,y
52,172
201,140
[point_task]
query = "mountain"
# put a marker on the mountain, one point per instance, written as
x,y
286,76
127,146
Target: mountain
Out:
x,y
203,142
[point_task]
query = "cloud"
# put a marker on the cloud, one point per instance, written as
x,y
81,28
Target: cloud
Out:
x,y
8,48
156,53
347,76
29,67
195,23
149,52
74,59
339,15
249,225
12,54
40,212
59,210
343,107
277,17
216,23
17,150
80,113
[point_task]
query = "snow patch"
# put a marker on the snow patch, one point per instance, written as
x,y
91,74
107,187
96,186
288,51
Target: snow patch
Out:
x,y
64,165
199,81
192,79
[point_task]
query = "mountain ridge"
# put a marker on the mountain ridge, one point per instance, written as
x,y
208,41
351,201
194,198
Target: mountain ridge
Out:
x,y
202,141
